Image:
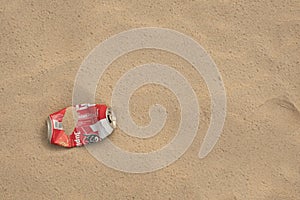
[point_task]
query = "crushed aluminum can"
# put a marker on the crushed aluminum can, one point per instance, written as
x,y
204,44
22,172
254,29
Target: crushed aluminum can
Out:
x,y
93,123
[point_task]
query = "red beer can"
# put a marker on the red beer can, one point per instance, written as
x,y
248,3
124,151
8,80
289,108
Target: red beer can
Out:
x,y
91,123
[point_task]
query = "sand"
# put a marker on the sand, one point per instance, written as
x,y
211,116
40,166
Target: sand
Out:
x,y
69,120
255,45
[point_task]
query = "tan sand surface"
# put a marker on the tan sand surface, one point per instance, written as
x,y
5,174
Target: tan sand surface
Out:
x,y
256,46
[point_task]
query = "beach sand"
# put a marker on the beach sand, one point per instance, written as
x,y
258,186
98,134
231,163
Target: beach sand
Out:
x,y
256,48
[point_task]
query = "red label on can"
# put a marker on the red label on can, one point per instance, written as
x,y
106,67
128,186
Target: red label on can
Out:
x,y
93,125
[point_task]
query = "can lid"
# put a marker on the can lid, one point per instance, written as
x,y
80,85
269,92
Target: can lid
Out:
x,y
49,128
111,117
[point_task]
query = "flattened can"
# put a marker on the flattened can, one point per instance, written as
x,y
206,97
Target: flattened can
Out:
x,y
92,123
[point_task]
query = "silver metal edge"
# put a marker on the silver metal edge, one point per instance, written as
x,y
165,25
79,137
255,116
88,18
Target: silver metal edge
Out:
x,y
49,128
113,124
